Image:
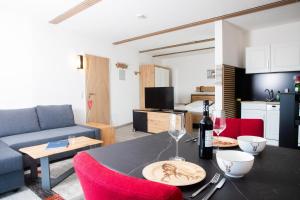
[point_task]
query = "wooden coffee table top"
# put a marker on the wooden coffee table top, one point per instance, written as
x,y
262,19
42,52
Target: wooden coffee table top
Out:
x,y
40,151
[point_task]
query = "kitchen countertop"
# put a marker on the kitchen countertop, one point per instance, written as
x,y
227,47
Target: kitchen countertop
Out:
x,y
264,102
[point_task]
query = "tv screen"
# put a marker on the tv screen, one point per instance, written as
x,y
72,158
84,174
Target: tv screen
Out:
x,y
159,98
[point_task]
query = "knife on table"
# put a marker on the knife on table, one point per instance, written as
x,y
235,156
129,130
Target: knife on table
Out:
x,y
211,192
192,139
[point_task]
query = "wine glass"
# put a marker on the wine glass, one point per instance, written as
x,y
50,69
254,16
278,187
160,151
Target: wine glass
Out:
x,y
219,123
177,131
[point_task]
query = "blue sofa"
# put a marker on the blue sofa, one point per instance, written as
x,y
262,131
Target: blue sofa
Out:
x,y
33,126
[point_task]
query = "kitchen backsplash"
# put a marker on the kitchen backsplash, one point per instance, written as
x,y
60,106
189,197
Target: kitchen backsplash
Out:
x,y
252,86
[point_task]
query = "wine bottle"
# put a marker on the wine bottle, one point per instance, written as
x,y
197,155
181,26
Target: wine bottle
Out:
x,y
205,135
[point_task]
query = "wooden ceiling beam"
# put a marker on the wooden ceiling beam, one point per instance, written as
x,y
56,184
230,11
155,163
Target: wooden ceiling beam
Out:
x,y
179,52
178,45
210,20
74,11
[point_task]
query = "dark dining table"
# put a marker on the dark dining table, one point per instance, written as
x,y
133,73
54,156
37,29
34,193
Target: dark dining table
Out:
x,y
275,173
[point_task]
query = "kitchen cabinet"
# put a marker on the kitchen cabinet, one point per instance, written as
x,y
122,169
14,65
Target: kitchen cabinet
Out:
x,y
285,57
273,58
270,114
254,110
258,59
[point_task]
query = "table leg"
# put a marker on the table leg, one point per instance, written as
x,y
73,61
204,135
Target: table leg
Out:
x,y
34,170
47,181
45,168
33,164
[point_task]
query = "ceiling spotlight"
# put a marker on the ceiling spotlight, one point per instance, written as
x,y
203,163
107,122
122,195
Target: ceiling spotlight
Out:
x,y
141,16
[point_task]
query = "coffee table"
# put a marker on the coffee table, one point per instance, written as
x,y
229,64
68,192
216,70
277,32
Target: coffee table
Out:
x,y
40,152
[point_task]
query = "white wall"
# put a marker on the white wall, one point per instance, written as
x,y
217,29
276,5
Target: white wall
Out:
x,y
230,43
37,67
188,72
286,33
16,63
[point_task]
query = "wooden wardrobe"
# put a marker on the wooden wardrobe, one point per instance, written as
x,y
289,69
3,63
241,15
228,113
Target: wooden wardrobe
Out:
x,y
97,89
153,76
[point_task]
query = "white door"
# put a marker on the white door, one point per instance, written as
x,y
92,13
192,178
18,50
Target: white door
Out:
x,y
285,57
257,59
162,77
272,122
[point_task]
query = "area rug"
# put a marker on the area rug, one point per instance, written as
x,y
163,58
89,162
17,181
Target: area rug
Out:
x,y
69,189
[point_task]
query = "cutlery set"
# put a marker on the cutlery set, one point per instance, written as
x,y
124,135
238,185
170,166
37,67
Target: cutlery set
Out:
x,y
192,140
214,180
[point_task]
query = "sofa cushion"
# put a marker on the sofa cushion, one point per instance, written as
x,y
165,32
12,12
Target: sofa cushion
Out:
x,y
45,136
10,160
18,121
56,116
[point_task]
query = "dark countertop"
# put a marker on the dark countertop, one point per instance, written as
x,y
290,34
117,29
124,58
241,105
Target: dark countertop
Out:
x,y
275,174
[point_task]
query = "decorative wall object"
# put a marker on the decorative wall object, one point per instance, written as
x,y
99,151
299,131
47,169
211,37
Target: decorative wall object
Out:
x,y
211,74
122,72
122,75
121,65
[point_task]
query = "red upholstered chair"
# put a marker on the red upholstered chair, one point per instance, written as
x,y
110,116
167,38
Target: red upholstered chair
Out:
x,y
232,128
253,127
101,183
236,127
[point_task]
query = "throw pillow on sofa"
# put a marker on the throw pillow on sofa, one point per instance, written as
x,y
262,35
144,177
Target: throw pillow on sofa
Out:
x,y
18,121
55,116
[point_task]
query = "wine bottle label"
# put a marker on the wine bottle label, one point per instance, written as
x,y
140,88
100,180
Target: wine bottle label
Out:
x,y
208,138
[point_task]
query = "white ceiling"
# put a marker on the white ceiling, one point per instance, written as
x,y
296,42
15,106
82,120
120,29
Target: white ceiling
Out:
x,y
113,20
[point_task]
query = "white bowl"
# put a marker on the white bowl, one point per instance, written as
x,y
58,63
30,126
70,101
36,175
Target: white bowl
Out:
x,y
235,163
252,144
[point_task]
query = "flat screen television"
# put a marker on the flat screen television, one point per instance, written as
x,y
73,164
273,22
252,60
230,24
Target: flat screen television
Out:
x,y
161,98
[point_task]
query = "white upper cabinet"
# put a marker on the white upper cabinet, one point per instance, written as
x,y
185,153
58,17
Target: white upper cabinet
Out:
x,y
257,59
285,57
273,58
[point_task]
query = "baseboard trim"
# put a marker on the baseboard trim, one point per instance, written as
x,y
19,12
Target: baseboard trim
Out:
x,y
123,125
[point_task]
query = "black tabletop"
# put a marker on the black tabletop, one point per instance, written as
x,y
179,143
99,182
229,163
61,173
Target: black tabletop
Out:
x,y
275,173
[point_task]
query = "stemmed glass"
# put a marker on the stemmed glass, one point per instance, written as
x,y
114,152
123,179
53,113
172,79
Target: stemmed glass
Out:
x,y
219,123
177,131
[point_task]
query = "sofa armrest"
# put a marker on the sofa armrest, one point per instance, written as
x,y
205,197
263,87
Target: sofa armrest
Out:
x,y
96,130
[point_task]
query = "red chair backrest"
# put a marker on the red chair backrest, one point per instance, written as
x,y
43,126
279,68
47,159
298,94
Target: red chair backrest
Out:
x,y
236,127
253,127
99,182
232,128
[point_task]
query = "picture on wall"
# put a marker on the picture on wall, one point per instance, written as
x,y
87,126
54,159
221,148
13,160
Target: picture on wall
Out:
x,y
211,74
